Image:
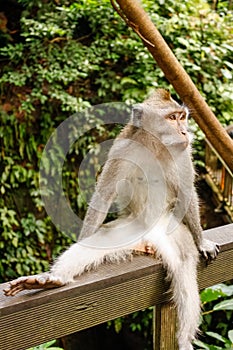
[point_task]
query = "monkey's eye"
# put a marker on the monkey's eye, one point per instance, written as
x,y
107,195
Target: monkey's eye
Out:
x,y
183,116
172,117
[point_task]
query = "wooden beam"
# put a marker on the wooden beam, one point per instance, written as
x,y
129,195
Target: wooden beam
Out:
x,y
164,327
115,290
134,15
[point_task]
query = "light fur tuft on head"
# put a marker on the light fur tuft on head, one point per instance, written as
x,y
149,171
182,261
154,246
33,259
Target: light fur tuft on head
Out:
x,y
159,95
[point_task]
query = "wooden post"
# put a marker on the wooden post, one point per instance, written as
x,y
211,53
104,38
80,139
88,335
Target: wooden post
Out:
x,y
137,18
164,327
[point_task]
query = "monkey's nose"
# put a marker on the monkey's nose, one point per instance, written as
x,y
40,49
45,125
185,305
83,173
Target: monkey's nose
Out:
x,y
181,131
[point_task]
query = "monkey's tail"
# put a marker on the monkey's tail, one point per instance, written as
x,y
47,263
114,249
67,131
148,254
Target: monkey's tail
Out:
x,y
179,256
187,301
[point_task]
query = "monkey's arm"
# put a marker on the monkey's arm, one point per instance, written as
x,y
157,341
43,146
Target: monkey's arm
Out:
x,y
207,248
104,195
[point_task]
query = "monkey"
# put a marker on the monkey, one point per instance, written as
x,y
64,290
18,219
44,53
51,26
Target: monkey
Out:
x,y
150,174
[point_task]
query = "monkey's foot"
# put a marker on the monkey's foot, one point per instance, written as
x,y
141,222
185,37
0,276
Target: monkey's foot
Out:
x,y
209,250
42,281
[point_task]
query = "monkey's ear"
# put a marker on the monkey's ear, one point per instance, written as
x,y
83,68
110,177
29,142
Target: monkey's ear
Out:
x,y
137,113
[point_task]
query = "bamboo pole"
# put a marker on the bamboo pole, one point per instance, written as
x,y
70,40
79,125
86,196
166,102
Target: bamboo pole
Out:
x,y
134,15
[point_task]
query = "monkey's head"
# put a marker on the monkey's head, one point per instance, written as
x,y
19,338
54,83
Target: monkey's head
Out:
x,y
164,118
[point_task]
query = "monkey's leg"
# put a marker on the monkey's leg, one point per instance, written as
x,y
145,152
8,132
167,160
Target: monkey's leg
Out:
x,y
179,256
79,258
63,272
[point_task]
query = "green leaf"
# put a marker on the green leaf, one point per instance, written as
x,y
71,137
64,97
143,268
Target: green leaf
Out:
x,y
227,46
229,64
215,292
46,346
217,336
127,80
118,324
226,73
201,344
224,305
227,290
211,294
15,242
183,42
230,335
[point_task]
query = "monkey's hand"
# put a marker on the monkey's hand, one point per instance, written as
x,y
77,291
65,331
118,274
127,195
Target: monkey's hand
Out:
x,y
209,250
43,281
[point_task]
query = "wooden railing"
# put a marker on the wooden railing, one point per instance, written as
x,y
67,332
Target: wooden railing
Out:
x,y
220,179
34,317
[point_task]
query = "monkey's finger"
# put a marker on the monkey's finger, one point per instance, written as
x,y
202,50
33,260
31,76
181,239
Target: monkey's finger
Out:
x,y
210,257
7,291
16,290
12,291
14,287
204,254
214,254
18,281
207,257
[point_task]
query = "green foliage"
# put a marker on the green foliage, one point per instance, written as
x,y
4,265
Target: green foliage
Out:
x,y
226,342
139,322
47,346
218,316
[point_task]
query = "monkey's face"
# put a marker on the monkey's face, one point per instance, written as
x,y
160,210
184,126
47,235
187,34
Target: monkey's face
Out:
x,y
177,123
164,118
168,125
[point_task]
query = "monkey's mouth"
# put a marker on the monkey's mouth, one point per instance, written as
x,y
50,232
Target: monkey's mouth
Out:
x,y
182,141
181,144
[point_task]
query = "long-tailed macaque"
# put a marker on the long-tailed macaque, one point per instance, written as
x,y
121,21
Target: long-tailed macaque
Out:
x,y
149,174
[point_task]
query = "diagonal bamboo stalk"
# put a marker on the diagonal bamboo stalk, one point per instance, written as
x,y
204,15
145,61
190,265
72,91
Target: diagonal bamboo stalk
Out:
x,y
137,18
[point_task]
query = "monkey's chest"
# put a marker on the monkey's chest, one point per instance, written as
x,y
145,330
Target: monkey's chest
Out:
x,y
144,193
